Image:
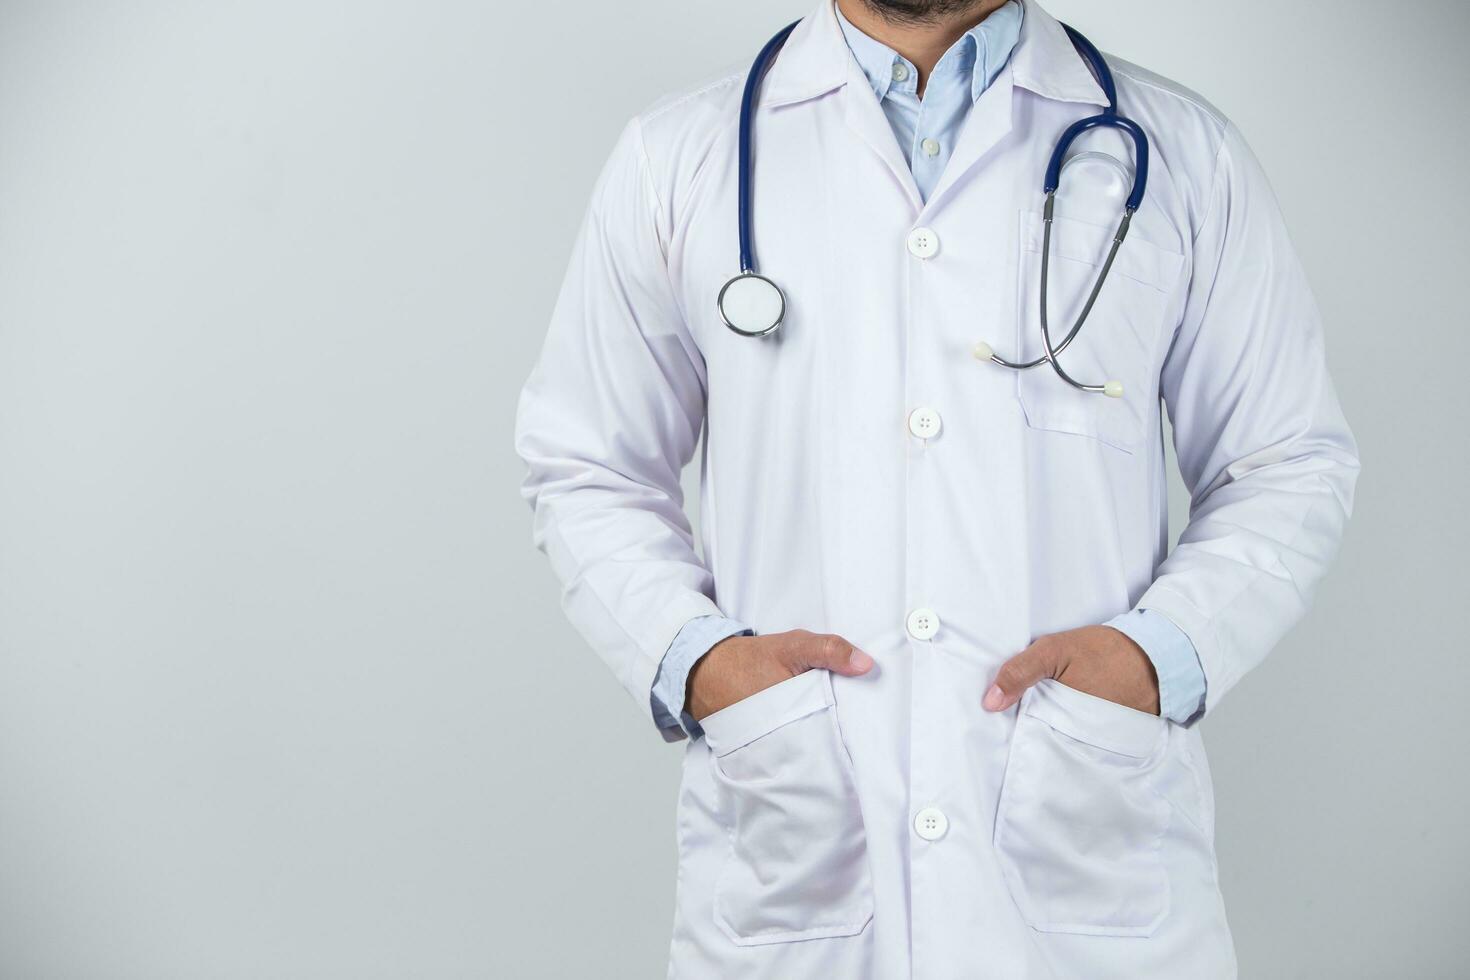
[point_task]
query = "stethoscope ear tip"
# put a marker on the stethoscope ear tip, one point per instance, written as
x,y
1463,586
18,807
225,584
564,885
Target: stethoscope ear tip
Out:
x,y
983,351
1113,389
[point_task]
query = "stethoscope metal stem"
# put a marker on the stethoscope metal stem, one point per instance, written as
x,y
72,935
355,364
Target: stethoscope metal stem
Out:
x,y
1050,350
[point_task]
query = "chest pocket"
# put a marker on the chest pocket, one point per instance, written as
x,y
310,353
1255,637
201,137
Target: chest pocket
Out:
x,y
1122,340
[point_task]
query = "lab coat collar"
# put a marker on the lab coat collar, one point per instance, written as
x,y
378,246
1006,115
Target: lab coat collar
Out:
x,y
1046,63
816,60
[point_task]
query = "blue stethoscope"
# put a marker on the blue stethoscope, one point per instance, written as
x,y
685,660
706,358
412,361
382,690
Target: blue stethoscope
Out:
x,y
753,306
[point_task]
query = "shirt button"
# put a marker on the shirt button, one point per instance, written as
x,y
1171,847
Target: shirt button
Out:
x,y
924,423
923,242
930,823
931,147
900,71
923,624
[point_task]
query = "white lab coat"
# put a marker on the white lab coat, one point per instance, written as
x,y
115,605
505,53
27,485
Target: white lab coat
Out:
x,y
886,826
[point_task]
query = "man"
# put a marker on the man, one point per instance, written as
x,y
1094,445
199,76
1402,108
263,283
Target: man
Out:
x,y
941,678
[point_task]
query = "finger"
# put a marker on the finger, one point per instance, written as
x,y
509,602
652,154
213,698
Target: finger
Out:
x,y
832,653
1019,673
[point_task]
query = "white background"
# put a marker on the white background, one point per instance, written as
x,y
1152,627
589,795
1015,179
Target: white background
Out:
x,y
284,690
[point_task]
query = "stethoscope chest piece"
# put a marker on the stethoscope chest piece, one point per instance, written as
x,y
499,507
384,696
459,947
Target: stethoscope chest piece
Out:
x,y
752,305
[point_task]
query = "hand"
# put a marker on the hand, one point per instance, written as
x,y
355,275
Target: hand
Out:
x,y
739,666
1096,660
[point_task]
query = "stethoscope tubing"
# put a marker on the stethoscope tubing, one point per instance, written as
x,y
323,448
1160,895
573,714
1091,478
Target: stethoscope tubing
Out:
x,y
1051,352
745,154
1107,118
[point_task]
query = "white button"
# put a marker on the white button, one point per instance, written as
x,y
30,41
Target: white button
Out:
x,y
924,423
931,147
923,242
923,624
930,823
900,71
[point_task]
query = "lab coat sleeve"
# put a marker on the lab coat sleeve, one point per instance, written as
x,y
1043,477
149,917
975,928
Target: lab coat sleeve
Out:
x,y
609,417
1262,443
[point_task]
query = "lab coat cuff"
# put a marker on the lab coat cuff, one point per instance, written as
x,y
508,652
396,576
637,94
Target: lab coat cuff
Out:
x,y
1183,612
654,644
670,684
1176,662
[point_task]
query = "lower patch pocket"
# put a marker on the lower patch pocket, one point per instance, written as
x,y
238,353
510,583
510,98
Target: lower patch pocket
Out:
x,y
798,862
1080,822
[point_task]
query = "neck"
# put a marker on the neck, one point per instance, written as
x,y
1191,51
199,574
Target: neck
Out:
x,y
920,30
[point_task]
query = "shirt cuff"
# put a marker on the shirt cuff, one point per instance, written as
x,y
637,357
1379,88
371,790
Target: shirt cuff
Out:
x,y
1176,662
696,638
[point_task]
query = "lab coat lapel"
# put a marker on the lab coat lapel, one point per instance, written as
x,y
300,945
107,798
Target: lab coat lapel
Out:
x,y
864,115
988,123
1043,62
815,61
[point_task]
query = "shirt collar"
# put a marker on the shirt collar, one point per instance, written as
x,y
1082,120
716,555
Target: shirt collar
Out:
x,y
817,60
981,51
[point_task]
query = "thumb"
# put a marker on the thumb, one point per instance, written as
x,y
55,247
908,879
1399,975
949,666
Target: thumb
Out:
x,y
1019,673
832,653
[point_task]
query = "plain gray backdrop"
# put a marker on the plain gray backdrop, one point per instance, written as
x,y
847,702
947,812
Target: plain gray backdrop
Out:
x,y
285,691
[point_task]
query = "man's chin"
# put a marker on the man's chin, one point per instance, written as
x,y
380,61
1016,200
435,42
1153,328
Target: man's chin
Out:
x,y
923,11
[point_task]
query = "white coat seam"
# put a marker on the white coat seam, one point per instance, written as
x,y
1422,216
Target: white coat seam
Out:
x,y
1214,114
581,578
1228,677
584,580
645,168
657,111
662,216
1210,208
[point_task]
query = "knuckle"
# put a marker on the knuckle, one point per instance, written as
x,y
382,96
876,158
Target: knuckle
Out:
x,y
834,650
1009,676
788,655
1054,656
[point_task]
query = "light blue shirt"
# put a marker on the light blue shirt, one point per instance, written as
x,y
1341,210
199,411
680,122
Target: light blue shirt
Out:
x,y
926,130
